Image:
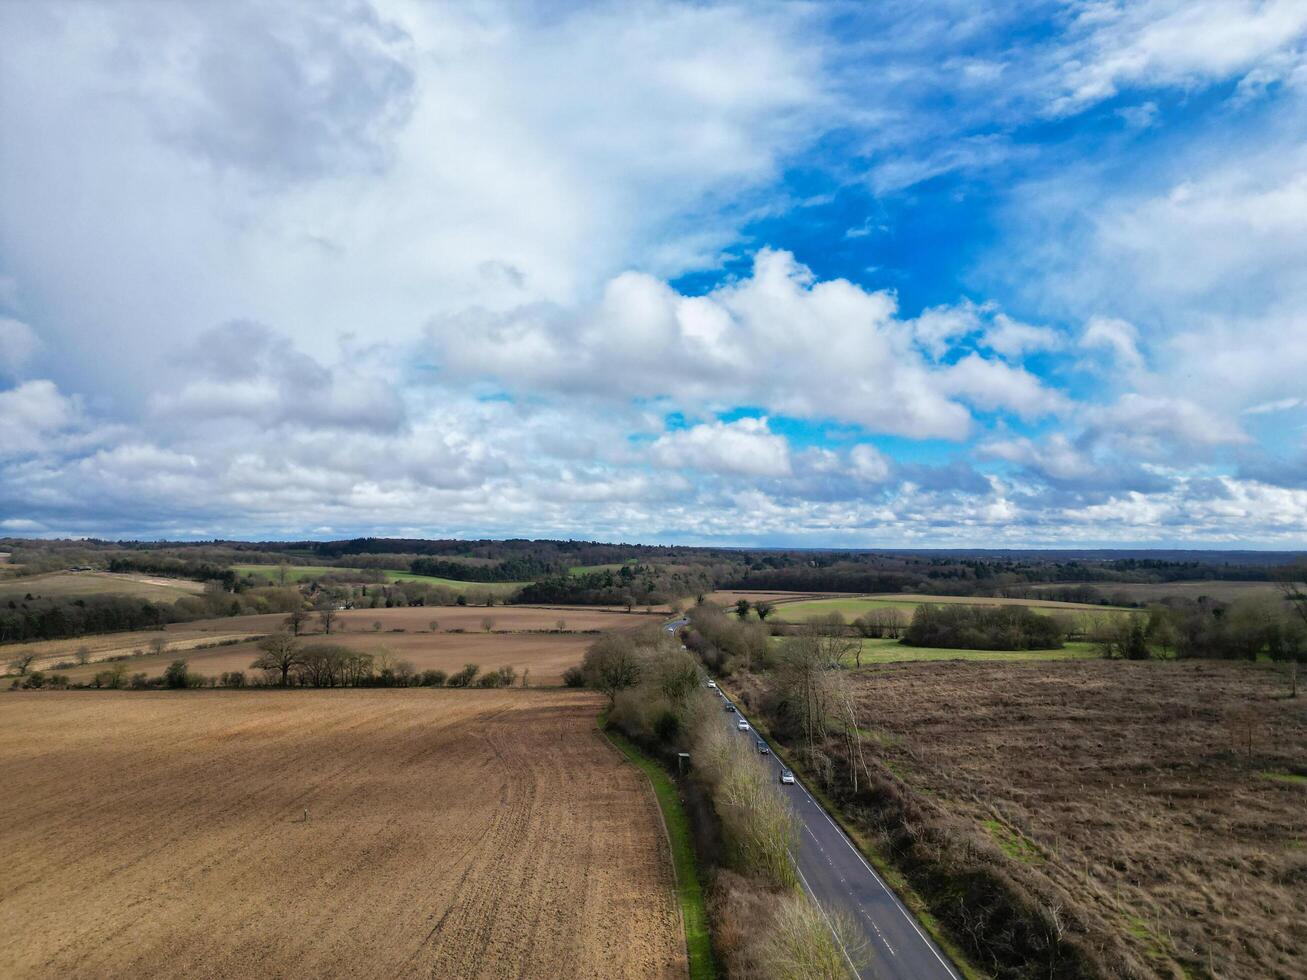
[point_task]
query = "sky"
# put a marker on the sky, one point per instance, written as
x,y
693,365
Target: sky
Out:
x,y
953,273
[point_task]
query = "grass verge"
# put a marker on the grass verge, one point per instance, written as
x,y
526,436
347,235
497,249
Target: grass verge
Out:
x,y
689,890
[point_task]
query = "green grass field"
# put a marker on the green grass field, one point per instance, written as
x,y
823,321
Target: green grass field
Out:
x,y
587,569
65,585
894,652
305,573
852,608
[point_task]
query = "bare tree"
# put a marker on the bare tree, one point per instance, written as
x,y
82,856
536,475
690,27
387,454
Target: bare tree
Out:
x,y
296,620
283,567
280,653
83,654
326,614
434,625
22,661
611,665
561,625
1292,580
158,646
487,623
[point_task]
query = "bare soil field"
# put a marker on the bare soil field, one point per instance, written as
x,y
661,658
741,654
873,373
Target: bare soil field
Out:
x,y
450,834
1125,793
545,655
184,638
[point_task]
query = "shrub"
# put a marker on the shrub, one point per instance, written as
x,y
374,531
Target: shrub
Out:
x,y
433,678
489,680
235,678
177,675
465,676
574,677
139,682
982,628
35,679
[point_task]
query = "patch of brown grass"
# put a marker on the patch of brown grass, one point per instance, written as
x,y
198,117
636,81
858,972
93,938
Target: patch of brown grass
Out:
x,y
1116,803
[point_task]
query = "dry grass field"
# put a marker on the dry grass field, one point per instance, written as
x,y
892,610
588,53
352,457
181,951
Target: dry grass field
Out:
x,y
66,584
450,834
854,606
1126,791
1156,591
559,651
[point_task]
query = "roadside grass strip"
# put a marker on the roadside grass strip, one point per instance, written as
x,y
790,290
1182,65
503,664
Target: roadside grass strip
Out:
x,y
689,890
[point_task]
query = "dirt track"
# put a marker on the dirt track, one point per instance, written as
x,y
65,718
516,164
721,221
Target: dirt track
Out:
x,y
450,834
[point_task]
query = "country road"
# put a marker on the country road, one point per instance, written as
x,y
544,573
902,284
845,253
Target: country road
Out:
x,y
839,879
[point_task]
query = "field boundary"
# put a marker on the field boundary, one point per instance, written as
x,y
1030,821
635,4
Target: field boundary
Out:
x,y
685,869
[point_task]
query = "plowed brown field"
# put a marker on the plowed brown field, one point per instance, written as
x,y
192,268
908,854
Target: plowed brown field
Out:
x,y
450,834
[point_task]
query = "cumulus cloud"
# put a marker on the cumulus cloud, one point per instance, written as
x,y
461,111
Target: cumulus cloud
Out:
x,y
807,348
745,446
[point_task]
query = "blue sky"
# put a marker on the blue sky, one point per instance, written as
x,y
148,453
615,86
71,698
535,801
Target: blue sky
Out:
x,y
832,274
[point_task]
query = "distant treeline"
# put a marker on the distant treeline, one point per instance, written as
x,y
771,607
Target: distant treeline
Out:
x,y
510,570
55,619
151,564
631,585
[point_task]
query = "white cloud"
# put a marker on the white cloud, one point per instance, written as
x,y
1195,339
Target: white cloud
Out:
x,y
362,168
1014,339
816,350
31,414
994,385
1171,43
1117,337
869,464
745,446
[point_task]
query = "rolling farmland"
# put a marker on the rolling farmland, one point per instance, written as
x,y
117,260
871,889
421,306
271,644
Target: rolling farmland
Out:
x,y
450,834
69,584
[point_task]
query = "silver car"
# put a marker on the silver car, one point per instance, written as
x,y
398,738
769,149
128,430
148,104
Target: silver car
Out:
x,y
787,777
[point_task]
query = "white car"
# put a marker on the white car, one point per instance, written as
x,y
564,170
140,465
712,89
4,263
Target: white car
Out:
x,y
712,685
742,725
787,777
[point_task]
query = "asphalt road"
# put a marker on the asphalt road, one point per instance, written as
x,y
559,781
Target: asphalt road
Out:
x,y
838,877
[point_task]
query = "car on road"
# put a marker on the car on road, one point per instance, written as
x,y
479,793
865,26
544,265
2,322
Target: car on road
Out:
x,y
712,685
730,708
787,777
742,725
763,748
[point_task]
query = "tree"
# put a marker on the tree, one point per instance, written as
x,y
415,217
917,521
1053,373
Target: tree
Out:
x,y
177,675
158,646
326,615
561,625
763,609
296,620
280,652
1293,585
282,568
487,623
610,665
22,661
83,654
434,625
376,626
742,608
